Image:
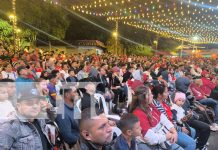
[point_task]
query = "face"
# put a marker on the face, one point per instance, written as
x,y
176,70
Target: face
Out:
x,y
150,97
165,94
9,68
180,102
11,88
100,131
43,84
102,71
90,88
29,108
136,130
3,93
24,72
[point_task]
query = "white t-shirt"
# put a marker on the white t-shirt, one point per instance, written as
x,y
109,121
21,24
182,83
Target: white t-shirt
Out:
x,y
9,75
180,112
7,111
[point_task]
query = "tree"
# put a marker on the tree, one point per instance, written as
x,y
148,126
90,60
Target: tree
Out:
x,y
139,50
111,46
6,30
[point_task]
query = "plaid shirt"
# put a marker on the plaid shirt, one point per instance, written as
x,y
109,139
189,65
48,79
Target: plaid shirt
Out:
x,y
19,134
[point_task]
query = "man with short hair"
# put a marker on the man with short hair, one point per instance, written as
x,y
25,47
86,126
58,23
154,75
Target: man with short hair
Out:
x,y
69,128
26,131
95,131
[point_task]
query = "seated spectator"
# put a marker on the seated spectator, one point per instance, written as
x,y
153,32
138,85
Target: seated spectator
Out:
x,y
202,129
202,97
151,120
207,84
66,121
7,109
131,129
72,78
52,90
8,72
95,131
160,93
29,132
88,100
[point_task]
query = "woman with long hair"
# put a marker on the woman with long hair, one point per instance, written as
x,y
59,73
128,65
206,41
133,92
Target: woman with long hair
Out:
x,y
160,93
156,128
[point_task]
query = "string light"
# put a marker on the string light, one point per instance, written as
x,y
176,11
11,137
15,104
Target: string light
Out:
x,y
179,19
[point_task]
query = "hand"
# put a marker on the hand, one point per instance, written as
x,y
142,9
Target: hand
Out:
x,y
168,136
201,108
184,129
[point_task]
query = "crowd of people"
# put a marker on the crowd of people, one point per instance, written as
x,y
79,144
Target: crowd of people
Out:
x,y
51,100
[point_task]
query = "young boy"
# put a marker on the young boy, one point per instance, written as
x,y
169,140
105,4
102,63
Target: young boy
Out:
x,y
72,78
130,127
7,111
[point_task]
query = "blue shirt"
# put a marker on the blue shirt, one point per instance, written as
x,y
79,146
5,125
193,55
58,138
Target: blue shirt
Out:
x,y
68,126
122,144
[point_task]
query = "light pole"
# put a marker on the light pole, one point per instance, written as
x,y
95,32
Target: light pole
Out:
x,y
115,35
13,19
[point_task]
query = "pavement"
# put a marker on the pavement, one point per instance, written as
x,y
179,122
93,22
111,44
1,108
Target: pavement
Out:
x,y
213,140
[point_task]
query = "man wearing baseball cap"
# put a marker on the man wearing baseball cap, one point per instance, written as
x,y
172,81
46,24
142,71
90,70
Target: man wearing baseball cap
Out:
x,y
26,131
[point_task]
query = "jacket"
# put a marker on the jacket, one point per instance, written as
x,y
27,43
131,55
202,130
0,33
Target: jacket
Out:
x,y
207,86
19,134
197,91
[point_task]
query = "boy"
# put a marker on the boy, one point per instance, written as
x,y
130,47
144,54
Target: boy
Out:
x,y
130,127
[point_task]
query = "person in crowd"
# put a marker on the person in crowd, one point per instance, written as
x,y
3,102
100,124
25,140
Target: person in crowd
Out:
x,y
6,107
95,131
29,132
207,84
131,130
8,72
203,98
66,121
64,70
23,82
83,73
44,75
88,100
52,90
151,120
72,77
160,93
202,129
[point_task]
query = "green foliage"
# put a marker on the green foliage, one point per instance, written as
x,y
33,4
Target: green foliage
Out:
x,y
5,29
111,46
139,50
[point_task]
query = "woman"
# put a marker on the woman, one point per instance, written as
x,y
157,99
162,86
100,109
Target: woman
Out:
x,y
160,93
156,128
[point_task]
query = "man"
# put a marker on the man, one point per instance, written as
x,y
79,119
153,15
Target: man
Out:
x,y
26,131
23,83
52,89
95,131
66,122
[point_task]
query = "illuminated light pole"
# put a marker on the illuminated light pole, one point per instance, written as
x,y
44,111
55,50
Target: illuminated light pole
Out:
x,y
13,19
115,35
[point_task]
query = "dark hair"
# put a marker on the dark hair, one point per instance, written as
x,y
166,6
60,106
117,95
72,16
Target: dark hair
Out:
x,y
54,72
65,89
158,89
51,76
127,122
140,99
87,115
70,70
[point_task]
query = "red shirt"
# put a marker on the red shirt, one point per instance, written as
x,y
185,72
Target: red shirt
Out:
x,y
145,122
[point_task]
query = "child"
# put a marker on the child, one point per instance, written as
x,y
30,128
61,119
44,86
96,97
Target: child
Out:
x,y
179,114
7,110
130,127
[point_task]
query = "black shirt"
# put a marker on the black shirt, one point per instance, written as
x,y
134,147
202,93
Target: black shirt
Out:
x,y
45,144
